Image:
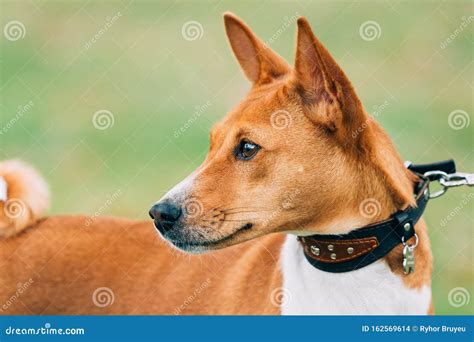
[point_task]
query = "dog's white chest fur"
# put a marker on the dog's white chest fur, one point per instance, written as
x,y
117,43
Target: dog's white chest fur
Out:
x,y
371,290
3,189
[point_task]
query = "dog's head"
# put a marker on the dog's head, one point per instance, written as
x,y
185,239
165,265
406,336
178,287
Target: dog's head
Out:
x,y
289,157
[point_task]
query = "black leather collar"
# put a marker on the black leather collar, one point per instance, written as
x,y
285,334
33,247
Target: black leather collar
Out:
x,y
363,246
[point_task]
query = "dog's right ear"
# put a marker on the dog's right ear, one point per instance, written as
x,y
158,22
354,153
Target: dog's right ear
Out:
x,y
259,63
325,89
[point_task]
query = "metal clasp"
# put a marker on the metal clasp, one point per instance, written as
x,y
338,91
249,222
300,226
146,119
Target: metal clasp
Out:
x,y
449,180
458,179
409,256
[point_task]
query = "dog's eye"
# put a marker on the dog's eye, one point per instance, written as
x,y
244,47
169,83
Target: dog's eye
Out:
x,y
246,150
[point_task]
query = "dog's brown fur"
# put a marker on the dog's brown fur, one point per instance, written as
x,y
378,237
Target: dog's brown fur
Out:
x,y
315,160
68,260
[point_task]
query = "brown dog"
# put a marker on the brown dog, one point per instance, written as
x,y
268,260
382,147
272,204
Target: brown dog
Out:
x,y
285,162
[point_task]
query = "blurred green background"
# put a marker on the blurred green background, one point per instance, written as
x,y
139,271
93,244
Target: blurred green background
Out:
x,y
163,72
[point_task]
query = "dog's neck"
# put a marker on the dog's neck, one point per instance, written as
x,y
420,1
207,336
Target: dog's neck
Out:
x,y
381,183
374,289
374,201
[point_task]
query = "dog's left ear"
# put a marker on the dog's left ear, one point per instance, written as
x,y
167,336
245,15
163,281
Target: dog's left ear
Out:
x,y
259,63
327,93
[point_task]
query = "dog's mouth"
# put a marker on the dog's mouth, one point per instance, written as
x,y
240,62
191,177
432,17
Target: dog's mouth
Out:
x,y
193,246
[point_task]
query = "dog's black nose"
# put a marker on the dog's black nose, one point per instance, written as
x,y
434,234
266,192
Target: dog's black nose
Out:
x,y
165,214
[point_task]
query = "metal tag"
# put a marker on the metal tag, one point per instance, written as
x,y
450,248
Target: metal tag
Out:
x,y
408,259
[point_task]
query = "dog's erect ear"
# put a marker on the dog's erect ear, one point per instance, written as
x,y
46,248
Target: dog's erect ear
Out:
x,y
259,62
325,88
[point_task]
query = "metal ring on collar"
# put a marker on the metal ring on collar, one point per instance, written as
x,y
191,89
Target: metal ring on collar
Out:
x,y
413,246
437,176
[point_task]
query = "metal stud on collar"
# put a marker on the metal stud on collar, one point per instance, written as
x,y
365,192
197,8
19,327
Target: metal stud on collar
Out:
x,y
315,250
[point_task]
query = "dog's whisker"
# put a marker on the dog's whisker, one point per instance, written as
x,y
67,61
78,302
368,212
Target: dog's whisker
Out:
x,y
244,211
219,234
245,208
212,221
229,220
252,218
